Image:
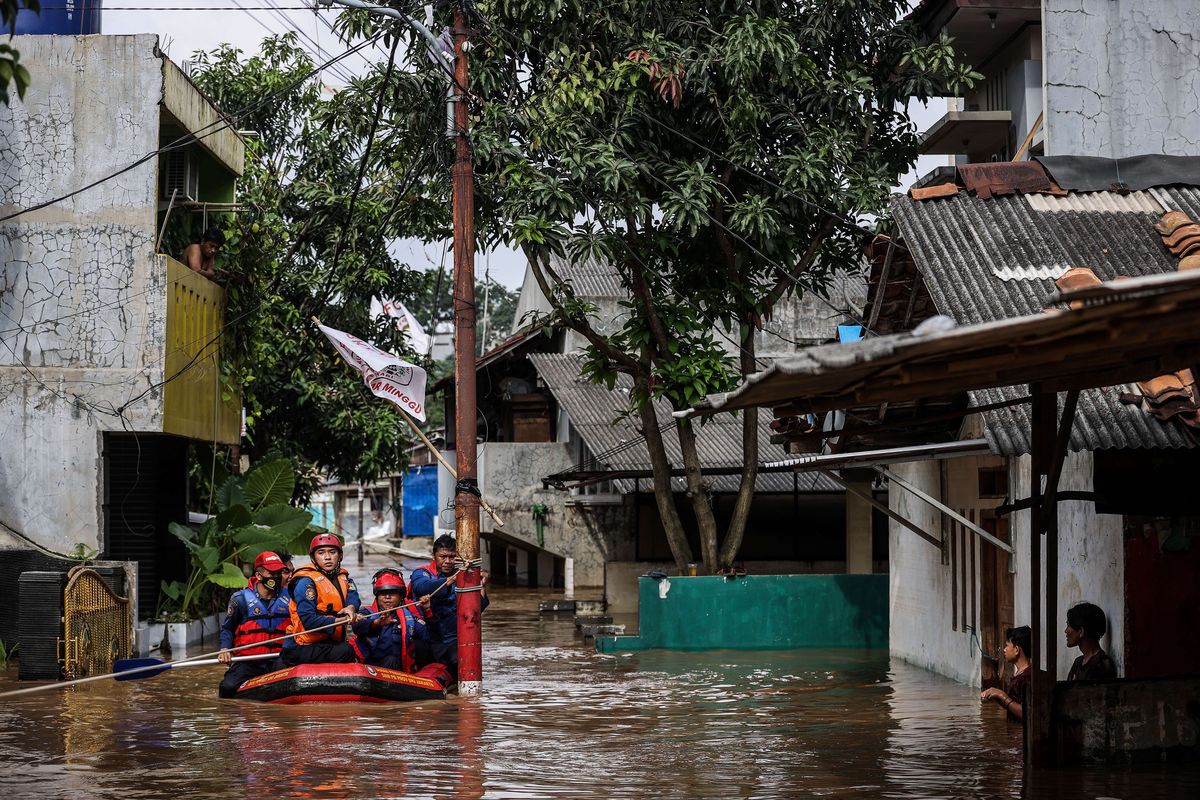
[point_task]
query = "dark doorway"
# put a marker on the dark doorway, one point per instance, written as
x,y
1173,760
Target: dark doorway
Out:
x,y
145,490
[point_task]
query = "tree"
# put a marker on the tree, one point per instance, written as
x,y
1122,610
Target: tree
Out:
x,y
718,154
433,303
308,243
11,70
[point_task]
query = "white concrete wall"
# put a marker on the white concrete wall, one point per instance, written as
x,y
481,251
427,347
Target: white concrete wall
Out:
x,y
1121,77
510,478
82,300
1091,559
919,596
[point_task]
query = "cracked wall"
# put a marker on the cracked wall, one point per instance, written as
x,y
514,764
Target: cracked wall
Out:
x,y
1122,77
82,299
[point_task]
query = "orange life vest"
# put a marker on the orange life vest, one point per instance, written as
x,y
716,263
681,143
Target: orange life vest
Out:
x,y
331,597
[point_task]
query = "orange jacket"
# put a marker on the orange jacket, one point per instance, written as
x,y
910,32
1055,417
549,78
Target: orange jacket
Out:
x,y
330,598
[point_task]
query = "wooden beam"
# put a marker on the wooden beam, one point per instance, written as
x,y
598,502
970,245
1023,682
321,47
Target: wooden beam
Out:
x,y
945,509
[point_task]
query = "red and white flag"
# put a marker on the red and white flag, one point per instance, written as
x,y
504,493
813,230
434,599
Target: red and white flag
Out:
x,y
386,375
404,321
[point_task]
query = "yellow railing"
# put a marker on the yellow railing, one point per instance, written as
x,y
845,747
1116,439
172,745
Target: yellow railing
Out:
x,y
192,397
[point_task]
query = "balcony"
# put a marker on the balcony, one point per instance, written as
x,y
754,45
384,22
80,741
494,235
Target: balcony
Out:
x,y
195,403
975,133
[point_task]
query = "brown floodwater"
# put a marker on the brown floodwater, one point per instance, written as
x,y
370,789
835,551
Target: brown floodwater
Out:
x,y
556,720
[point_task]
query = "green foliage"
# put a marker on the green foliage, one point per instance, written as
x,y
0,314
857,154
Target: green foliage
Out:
x,y
7,654
278,265
251,518
11,71
82,553
719,155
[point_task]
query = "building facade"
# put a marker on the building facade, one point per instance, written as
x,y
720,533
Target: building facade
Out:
x,y
111,348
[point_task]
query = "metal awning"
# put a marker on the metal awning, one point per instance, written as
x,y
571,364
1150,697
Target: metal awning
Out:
x,y
1124,331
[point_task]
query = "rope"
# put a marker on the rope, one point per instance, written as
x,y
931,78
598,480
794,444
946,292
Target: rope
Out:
x,y
214,654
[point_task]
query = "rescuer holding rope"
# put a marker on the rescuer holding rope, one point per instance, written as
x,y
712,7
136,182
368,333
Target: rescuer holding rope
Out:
x,y
256,613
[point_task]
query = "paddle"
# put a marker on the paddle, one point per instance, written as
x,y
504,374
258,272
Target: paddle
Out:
x,y
144,667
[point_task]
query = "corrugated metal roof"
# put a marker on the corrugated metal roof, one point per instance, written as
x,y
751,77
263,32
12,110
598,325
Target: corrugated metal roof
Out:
x,y
597,414
986,260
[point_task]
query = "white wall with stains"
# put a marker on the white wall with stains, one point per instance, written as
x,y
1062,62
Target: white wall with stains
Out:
x,y
1121,77
82,299
1091,559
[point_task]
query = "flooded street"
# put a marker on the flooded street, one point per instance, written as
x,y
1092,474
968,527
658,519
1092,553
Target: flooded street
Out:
x,y
556,720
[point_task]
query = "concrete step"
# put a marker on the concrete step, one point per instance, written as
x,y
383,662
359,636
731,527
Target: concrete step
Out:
x,y
556,606
592,619
591,631
588,607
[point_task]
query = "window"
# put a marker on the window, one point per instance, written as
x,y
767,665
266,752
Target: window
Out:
x,y
993,482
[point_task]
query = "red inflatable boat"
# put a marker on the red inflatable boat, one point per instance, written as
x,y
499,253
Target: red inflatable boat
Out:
x,y
346,683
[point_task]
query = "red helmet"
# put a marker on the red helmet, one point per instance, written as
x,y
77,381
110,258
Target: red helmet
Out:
x,y
387,580
324,540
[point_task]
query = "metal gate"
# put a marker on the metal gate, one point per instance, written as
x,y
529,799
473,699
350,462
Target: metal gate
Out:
x,y
97,625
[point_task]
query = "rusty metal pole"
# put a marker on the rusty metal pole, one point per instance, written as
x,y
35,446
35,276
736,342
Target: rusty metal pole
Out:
x,y
466,493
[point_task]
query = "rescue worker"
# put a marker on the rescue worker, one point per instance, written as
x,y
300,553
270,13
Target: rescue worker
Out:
x,y
322,594
257,613
442,618
388,639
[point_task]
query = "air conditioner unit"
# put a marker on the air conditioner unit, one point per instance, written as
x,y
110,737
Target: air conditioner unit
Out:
x,y
180,176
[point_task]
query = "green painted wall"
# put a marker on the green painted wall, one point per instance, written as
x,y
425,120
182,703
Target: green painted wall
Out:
x,y
758,612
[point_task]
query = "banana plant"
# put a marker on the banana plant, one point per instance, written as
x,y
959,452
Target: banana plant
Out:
x,y
253,516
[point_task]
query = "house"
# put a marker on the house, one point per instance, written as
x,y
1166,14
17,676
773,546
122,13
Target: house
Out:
x,y
569,470
1092,334
1108,78
111,347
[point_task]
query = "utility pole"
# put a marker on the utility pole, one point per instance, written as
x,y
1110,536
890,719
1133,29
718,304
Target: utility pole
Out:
x,y
466,493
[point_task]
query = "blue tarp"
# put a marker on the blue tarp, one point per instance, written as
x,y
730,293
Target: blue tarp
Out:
x,y
420,500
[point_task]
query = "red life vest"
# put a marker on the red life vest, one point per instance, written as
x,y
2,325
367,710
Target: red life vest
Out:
x,y
406,657
265,619
330,599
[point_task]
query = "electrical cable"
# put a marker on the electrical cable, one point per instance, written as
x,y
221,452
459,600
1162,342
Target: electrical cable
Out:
x,y
649,173
226,120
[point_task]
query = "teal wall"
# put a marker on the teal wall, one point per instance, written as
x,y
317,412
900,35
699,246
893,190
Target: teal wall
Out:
x,y
758,612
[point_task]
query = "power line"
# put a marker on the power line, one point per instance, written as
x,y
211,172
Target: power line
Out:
x,y
225,121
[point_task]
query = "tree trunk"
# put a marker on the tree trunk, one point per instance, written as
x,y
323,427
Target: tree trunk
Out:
x,y
745,495
705,518
664,498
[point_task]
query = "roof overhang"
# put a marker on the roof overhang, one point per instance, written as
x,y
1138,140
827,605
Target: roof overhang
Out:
x,y
1119,332
979,28
963,132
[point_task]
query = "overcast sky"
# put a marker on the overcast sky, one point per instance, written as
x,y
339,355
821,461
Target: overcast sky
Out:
x,y
181,33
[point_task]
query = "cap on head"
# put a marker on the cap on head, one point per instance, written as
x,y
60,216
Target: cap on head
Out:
x,y
324,540
387,580
269,561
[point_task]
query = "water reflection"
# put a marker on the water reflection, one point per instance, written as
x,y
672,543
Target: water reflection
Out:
x,y
556,720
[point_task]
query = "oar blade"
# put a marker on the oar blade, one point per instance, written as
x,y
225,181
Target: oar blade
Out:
x,y
122,668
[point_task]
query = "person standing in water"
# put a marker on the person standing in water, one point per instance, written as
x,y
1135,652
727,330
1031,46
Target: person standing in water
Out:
x,y
1016,652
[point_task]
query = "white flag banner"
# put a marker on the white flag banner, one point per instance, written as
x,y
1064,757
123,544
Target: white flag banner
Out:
x,y
404,321
386,375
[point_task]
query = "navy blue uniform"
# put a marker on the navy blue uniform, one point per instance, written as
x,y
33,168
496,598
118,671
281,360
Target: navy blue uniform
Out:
x,y
391,645
443,622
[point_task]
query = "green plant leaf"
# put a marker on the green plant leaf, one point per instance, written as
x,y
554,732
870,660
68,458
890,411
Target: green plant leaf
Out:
x,y
182,532
173,590
270,484
230,494
254,534
208,557
230,577
234,517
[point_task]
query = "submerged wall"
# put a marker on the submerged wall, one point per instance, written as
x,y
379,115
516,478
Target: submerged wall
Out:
x,y
1128,722
758,612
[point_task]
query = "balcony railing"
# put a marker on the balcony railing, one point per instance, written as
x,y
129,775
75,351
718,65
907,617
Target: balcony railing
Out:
x,y
193,395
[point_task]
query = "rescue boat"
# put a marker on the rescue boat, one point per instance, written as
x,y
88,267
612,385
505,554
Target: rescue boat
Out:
x,y
346,683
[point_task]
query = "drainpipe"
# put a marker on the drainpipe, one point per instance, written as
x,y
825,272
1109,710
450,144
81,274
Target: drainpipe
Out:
x,y
539,519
